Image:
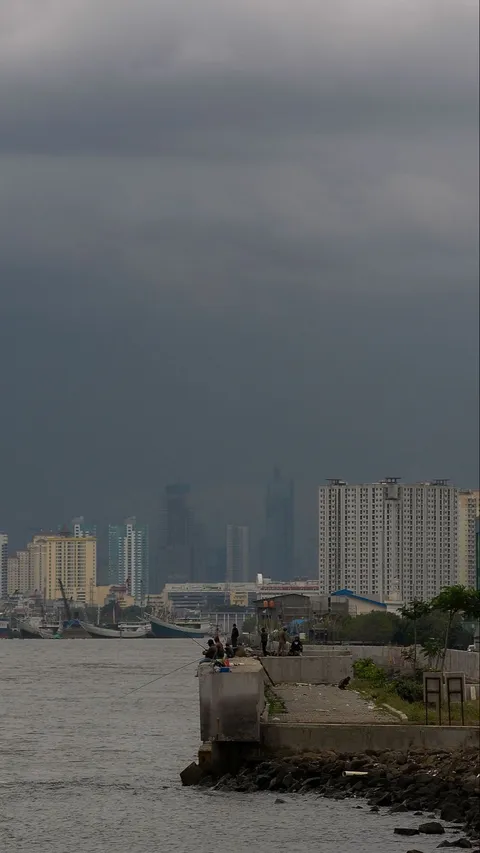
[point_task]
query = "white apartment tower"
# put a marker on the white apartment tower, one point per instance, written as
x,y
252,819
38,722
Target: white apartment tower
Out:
x,y
238,567
389,541
128,556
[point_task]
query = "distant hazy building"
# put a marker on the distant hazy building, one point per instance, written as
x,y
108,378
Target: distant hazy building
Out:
x,y
278,550
200,552
3,565
128,557
238,554
388,541
19,577
177,531
79,528
67,558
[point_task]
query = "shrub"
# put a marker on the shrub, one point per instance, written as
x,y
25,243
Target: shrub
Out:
x,y
409,689
366,670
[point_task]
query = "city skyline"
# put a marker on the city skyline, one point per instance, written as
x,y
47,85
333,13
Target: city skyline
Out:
x,y
364,565
272,254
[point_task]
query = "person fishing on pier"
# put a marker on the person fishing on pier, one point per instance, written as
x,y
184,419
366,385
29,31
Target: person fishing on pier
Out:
x,y
282,642
211,651
219,650
296,648
264,640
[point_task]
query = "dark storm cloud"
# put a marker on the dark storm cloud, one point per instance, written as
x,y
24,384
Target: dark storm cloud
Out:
x,y
234,234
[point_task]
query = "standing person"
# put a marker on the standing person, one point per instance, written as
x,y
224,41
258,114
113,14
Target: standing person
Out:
x,y
264,640
282,642
235,635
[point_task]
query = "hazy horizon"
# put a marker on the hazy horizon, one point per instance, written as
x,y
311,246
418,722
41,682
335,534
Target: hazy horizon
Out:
x,y
234,236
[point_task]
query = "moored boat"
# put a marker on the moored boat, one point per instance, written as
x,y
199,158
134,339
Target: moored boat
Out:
x,y
171,631
5,630
32,629
119,633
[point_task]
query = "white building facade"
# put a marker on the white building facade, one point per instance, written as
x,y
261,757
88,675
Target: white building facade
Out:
x,y
128,556
389,541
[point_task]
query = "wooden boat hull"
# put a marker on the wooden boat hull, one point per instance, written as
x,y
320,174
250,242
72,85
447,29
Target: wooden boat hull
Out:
x,y
170,631
112,634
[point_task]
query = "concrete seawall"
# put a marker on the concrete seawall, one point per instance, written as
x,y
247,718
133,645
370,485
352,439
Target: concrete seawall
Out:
x,y
316,669
291,738
391,656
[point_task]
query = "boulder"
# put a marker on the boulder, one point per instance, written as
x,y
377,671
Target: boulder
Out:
x,y
450,812
405,830
433,827
192,774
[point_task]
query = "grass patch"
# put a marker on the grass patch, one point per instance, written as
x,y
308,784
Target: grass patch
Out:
x,y
275,704
415,711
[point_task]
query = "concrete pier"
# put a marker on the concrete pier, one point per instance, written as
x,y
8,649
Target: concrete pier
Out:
x,y
231,703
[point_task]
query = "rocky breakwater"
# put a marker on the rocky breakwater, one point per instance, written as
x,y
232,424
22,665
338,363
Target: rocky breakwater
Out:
x,y
447,784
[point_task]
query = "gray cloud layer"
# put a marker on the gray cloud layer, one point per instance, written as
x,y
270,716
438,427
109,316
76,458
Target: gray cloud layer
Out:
x,y
233,234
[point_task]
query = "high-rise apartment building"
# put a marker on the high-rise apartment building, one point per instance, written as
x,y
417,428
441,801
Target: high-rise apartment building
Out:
x,y
128,556
177,532
19,578
389,541
278,551
3,565
238,554
67,558
467,513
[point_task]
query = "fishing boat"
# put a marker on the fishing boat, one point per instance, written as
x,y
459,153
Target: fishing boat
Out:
x,y
119,633
5,630
173,631
36,629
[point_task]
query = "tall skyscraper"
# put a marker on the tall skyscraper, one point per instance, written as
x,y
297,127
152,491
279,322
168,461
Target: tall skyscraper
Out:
x,y
67,558
176,537
279,532
128,557
388,541
238,554
3,565
19,574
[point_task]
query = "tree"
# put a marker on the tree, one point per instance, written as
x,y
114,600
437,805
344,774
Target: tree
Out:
x,y
371,628
453,600
414,611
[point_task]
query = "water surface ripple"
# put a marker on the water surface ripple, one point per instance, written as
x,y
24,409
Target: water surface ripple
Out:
x,y
87,766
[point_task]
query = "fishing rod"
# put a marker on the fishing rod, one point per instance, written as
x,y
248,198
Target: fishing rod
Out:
x,y
163,675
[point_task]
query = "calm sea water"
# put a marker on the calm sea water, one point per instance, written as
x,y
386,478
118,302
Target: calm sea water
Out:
x,y
86,766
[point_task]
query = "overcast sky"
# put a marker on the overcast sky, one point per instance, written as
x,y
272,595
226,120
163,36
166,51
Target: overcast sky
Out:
x,y
234,233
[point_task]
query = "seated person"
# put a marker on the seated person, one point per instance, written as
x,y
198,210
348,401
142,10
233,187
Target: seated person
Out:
x,y
296,648
211,651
